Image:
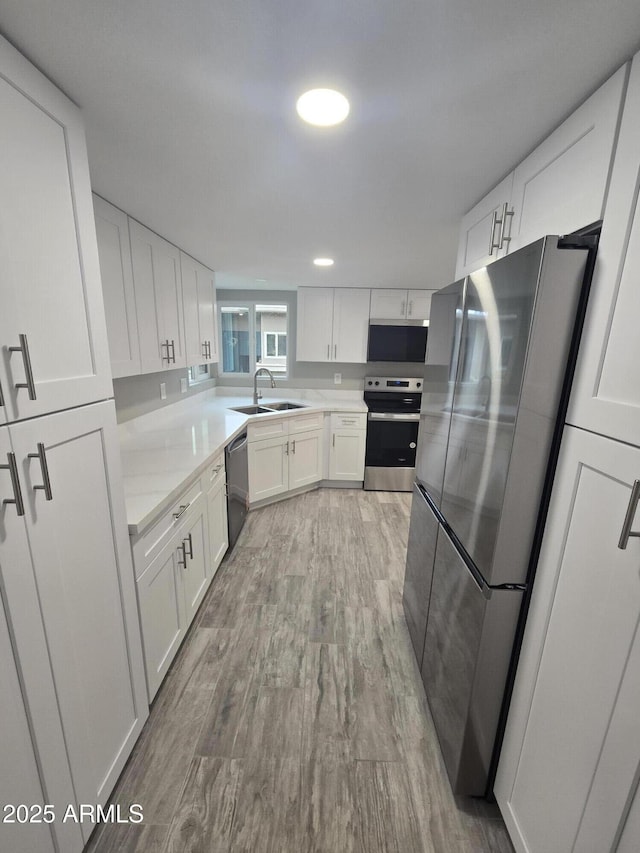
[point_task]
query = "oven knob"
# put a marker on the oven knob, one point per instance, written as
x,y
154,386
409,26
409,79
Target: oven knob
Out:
x,y
412,445
377,383
418,384
369,382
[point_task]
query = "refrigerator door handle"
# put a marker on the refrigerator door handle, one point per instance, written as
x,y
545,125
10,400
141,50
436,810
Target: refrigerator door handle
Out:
x,y
626,532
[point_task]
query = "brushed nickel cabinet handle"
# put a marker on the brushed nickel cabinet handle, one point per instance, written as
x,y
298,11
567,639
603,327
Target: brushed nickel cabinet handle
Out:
x,y
328,351
183,508
286,449
167,356
503,222
626,532
30,385
402,308
42,456
492,233
182,562
335,352
293,446
12,467
190,541
333,443
173,352
410,312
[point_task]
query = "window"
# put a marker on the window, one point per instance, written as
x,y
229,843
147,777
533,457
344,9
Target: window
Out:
x,y
199,373
253,334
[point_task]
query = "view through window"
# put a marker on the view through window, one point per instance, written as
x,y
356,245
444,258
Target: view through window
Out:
x,y
254,335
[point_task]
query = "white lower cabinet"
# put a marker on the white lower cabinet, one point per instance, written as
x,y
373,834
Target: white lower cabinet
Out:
x,y
217,515
348,438
290,458
571,753
173,568
67,587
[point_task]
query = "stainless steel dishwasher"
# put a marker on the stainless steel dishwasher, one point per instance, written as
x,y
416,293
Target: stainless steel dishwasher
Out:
x,y
237,485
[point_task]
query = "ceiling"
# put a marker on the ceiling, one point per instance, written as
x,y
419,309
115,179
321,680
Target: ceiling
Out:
x,y
191,126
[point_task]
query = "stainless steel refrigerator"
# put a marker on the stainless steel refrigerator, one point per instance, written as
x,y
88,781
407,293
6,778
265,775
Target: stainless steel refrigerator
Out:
x,y
499,362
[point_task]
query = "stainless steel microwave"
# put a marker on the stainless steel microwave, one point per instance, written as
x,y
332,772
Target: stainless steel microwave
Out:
x,y
397,340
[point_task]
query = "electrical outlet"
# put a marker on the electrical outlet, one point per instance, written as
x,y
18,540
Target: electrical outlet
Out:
x,y
337,379
163,390
183,386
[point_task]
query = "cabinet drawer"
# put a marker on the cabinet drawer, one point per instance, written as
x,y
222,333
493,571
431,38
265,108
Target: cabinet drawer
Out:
x,y
267,429
148,546
351,420
217,472
306,423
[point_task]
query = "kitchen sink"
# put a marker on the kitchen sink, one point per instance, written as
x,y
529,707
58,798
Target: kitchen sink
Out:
x,y
283,406
252,410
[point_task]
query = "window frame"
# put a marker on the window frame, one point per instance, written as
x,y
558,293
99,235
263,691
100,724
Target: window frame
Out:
x,y
250,305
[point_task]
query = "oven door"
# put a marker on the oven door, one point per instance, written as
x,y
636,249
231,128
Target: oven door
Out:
x,y
390,456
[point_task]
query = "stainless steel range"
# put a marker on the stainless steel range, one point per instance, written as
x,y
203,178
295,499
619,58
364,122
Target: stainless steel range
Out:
x,y
392,432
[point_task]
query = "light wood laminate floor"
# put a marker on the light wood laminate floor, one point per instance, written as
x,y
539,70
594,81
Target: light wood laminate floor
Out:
x,y
294,719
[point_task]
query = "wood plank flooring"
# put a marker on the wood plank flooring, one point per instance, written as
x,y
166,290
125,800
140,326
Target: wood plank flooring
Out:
x,y
294,719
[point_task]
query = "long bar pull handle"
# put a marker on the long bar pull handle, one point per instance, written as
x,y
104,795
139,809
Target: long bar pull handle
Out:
x,y
190,541
333,443
293,447
167,356
173,352
42,456
503,222
402,308
328,351
183,508
335,352
410,311
286,449
492,232
30,385
182,562
626,532
12,467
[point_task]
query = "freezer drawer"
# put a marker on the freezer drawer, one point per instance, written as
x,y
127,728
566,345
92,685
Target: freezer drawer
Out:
x,y
421,550
469,637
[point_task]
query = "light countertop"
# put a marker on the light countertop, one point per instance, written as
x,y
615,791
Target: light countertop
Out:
x,y
163,450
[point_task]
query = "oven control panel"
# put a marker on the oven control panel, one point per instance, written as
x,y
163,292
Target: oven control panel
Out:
x,y
392,383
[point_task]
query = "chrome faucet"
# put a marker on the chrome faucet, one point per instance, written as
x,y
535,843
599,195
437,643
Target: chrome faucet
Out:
x,y
256,394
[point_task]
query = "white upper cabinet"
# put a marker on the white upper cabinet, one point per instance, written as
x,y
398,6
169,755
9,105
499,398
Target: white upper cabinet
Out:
x,y
51,295
606,390
315,324
562,185
198,300
158,289
393,304
350,324
332,324
114,248
482,230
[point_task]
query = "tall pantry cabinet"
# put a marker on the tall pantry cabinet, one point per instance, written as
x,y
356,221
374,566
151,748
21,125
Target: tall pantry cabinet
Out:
x,y
570,764
71,647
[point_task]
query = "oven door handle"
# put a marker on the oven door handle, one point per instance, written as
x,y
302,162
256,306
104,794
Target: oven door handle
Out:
x,y
392,416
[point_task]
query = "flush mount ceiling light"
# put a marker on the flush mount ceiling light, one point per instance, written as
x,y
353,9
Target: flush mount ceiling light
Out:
x,y
323,262
323,107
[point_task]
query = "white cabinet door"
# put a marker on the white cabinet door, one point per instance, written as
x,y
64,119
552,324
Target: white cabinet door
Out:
x,y
114,249
51,293
268,468
606,391
346,454
20,780
419,304
350,324
314,336
194,561
480,232
571,750
69,468
561,186
198,300
207,312
388,304
162,618
218,530
305,458
158,289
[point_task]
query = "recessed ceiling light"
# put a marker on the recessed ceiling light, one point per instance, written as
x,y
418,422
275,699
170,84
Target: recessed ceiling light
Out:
x,y
323,262
323,107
